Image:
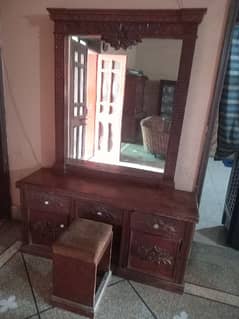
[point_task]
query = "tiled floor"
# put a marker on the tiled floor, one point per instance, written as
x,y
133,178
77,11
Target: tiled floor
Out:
x,y
25,289
9,233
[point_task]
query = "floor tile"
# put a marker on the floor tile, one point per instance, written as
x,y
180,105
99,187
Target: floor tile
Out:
x,y
57,313
15,289
40,272
114,279
214,267
168,305
212,294
9,233
215,236
120,301
9,252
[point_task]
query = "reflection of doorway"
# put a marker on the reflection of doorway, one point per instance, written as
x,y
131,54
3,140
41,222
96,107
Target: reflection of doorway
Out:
x,y
109,107
96,83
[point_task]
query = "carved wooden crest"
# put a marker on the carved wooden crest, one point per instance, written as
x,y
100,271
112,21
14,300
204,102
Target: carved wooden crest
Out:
x,y
125,28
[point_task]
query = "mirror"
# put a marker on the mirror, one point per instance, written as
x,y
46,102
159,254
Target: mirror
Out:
x,y
120,102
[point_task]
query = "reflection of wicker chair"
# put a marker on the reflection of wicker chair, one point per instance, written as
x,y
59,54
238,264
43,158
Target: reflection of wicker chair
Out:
x,y
155,132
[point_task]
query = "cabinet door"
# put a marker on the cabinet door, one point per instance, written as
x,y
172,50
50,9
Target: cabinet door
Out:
x,y
153,255
45,227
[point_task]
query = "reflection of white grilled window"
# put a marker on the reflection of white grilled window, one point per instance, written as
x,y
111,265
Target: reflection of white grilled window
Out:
x,y
77,108
95,102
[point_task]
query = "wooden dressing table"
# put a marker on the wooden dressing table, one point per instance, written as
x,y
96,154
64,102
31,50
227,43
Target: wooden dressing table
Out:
x,y
153,227
153,224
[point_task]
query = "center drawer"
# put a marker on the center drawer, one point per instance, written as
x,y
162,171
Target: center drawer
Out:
x,y
103,212
99,211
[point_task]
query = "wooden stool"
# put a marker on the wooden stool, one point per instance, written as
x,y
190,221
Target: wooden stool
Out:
x,y
81,266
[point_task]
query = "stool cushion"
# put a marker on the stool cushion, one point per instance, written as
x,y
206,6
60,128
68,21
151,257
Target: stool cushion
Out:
x,y
84,239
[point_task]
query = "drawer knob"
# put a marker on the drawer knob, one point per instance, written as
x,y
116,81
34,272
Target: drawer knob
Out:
x,y
99,213
62,225
156,226
46,202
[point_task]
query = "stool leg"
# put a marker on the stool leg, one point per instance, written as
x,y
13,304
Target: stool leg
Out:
x,y
104,265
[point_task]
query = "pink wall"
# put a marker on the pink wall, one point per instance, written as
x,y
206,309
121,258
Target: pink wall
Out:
x,y
27,41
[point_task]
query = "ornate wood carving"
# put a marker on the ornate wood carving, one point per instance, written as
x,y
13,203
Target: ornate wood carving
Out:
x,y
153,254
118,15
124,28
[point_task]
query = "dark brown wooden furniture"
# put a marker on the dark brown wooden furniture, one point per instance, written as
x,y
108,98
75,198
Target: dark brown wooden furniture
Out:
x,y
81,266
153,227
133,107
152,222
166,97
122,29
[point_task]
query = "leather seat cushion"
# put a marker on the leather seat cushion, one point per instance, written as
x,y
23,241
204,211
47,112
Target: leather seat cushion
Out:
x,y
84,239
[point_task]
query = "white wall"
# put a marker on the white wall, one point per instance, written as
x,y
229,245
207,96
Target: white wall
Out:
x,y
27,40
159,58
130,52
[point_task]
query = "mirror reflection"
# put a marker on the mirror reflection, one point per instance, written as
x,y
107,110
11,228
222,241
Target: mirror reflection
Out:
x,y
120,102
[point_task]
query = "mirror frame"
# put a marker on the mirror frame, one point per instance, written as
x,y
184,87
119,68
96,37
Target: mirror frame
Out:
x,y
124,28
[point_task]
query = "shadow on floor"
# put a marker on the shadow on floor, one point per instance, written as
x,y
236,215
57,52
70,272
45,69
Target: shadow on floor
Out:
x,y
212,235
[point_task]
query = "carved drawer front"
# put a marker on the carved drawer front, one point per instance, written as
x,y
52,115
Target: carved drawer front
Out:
x,y
153,255
107,214
45,227
99,211
48,201
158,225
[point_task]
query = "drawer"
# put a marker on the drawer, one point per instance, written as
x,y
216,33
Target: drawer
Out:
x,y
99,212
45,227
47,201
153,255
158,225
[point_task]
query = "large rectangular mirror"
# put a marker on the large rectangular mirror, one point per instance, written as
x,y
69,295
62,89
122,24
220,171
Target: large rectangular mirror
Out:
x,y
120,102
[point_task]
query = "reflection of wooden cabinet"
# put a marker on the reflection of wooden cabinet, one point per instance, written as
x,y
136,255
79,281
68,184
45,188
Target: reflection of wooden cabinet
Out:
x,y
152,227
133,107
142,99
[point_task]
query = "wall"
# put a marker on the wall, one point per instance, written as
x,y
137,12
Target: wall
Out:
x,y
27,40
159,59
130,52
